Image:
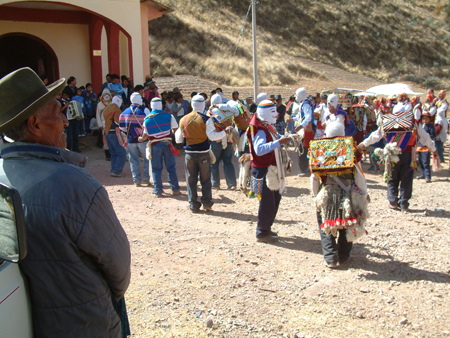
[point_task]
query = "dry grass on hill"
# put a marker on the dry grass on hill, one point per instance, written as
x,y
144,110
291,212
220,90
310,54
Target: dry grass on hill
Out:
x,y
396,40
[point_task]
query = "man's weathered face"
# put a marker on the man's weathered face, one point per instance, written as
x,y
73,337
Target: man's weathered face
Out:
x,y
249,101
50,125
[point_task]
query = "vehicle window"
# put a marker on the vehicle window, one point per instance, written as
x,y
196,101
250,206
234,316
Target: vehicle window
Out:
x,y
9,245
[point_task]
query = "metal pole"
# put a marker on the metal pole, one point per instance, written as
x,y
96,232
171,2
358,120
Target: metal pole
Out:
x,y
255,54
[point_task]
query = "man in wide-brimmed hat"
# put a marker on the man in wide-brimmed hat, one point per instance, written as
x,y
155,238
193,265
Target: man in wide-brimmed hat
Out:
x,y
78,262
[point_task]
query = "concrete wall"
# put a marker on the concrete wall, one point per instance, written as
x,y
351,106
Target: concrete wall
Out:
x,y
105,68
69,42
124,65
126,14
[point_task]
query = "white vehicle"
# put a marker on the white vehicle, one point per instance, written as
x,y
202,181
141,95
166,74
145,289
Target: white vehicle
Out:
x,y
15,304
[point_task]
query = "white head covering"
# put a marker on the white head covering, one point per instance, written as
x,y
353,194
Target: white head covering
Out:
x,y
300,95
267,111
106,95
261,97
334,129
117,100
332,100
198,103
216,99
136,98
156,104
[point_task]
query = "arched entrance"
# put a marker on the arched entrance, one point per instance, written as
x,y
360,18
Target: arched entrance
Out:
x,y
19,50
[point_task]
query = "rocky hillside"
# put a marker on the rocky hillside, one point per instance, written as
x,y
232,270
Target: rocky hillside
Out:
x,y
397,40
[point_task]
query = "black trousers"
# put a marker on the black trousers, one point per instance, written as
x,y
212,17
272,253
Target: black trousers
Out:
x,y
268,206
303,161
402,176
332,251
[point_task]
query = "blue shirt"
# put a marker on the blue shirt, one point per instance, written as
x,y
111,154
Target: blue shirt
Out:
x,y
116,87
261,146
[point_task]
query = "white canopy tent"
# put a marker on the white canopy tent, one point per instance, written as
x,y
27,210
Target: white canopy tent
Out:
x,y
389,90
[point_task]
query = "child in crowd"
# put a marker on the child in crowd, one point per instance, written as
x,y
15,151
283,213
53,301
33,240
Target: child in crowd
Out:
x,y
115,86
424,152
89,110
79,98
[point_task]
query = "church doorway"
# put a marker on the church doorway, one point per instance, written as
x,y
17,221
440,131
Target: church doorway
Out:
x,y
19,50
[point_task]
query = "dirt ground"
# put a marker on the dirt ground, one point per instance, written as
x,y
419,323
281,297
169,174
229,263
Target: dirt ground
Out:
x,y
188,268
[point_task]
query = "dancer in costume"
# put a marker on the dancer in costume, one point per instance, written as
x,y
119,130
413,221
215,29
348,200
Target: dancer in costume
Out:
x,y
131,123
105,100
268,176
441,125
110,119
417,108
442,107
303,115
340,193
423,151
223,149
403,105
157,127
195,131
401,133
334,112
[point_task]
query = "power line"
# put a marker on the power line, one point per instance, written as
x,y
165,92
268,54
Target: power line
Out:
x,y
239,39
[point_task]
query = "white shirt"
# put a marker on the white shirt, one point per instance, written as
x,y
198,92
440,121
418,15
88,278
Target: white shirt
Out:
x,y
424,138
402,107
328,117
211,132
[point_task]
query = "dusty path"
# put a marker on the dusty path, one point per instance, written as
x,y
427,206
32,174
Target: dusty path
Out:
x,y
396,285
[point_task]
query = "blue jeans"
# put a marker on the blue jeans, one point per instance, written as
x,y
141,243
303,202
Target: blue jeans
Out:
x,y
133,151
198,163
161,151
424,164
118,153
440,149
226,156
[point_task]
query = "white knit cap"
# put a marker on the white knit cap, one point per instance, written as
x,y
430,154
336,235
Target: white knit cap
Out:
x,y
216,99
332,100
156,104
117,100
301,94
334,129
261,97
198,103
267,111
136,98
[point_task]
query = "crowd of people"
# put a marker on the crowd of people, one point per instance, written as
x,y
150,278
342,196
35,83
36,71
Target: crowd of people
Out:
x,y
331,134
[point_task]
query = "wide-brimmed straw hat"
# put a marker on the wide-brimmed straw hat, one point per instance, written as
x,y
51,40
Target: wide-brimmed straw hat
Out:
x,y
22,93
